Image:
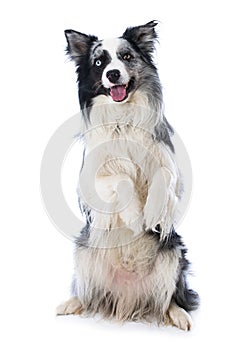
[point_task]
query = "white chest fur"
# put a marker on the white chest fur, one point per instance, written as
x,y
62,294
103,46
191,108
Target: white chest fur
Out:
x,y
129,180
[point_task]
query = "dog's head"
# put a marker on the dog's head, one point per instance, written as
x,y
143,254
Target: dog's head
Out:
x,y
115,68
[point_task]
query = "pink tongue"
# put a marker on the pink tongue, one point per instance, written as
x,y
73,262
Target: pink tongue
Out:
x,y
118,92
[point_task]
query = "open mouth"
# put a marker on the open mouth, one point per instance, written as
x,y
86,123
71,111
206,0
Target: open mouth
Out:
x,y
120,92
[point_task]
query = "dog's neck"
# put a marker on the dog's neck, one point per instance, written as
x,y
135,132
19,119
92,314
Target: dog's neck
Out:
x,y
137,112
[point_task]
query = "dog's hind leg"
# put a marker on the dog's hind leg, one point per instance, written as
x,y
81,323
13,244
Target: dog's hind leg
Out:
x,y
178,317
183,299
71,307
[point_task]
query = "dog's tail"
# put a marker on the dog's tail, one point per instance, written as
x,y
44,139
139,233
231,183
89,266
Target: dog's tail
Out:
x,y
184,297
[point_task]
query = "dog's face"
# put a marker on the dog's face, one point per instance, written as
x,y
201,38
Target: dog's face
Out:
x,y
115,65
114,68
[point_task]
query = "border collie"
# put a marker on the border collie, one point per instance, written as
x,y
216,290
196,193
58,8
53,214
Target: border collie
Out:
x,y
130,264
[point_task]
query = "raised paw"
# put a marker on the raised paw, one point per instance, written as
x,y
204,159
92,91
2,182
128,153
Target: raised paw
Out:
x,y
179,317
70,307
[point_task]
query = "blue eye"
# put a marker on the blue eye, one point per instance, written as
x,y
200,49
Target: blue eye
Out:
x,y
98,63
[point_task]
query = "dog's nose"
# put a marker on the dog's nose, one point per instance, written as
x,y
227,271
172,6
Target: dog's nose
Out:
x,y
113,75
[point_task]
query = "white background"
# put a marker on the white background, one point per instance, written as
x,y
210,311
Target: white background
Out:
x,y
38,93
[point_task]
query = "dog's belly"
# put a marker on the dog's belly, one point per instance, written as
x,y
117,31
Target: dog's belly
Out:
x,y
133,281
123,277
130,266
120,268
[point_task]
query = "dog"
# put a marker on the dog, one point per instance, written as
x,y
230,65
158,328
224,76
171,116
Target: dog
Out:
x,y
130,264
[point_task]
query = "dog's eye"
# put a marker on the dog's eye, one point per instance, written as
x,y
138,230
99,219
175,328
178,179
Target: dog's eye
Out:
x,y
98,63
127,57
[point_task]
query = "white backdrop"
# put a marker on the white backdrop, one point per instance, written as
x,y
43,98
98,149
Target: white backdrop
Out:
x,y
38,93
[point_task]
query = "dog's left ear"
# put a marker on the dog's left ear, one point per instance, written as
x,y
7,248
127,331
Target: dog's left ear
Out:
x,y
143,36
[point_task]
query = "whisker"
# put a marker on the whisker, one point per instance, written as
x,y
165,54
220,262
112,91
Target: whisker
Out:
x,y
97,86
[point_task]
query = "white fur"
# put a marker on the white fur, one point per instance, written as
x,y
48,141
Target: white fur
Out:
x,y
132,271
111,46
128,180
179,317
72,306
119,145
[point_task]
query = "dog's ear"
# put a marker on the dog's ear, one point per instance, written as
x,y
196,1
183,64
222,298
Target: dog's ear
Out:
x,y
78,44
142,36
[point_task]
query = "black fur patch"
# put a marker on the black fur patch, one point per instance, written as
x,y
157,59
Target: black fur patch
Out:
x,y
142,39
89,78
183,296
89,74
163,133
83,238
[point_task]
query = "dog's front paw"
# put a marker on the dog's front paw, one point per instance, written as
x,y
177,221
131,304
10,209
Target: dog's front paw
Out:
x,y
132,216
152,216
178,317
70,307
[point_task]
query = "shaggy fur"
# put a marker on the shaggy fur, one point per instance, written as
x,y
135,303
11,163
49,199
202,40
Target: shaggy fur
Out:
x,y
130,263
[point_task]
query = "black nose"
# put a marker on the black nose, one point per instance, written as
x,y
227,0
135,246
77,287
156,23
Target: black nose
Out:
x,y
113,75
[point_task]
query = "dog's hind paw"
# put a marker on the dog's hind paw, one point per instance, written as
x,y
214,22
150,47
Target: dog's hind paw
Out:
x,y
70,307
178,317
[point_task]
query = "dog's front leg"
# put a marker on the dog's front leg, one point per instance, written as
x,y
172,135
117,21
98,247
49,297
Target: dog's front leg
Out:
x,y
161,204
122,200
